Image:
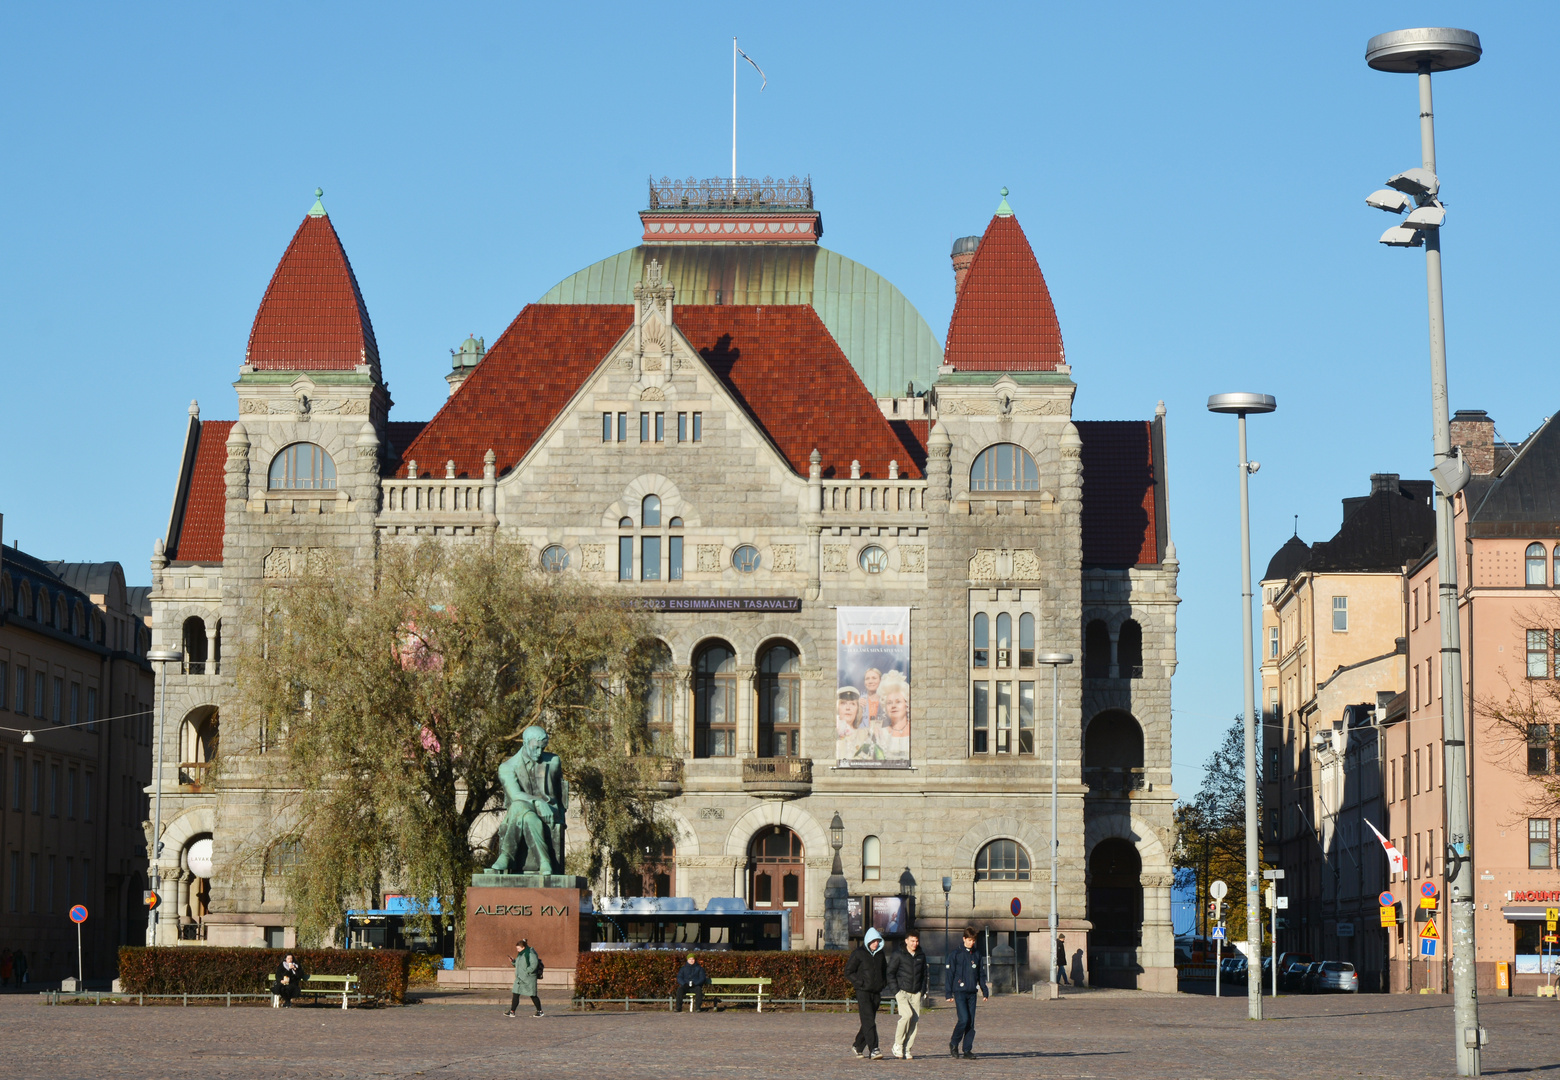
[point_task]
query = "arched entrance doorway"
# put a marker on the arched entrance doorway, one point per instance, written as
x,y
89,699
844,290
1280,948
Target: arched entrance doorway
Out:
x,y
1116,911
777,877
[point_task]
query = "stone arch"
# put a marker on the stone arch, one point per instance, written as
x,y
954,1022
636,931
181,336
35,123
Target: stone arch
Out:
x,y
1122,825
687,838
815,840
1113,739
1002,827
672,502
793,632
193,823
740,638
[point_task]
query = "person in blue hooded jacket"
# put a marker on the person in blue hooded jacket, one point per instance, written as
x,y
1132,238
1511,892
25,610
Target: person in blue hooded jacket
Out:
x,y
867,970
964,978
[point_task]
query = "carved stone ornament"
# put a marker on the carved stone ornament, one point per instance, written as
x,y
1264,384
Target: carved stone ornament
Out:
x,y
912,558
1026,565
836,558
961,406
593,556
289,562
652,393
709,558
784,557
251,406
983,567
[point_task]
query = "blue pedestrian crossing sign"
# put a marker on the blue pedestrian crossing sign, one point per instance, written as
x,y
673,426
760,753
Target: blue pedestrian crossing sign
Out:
x,y
1427,946
1218,933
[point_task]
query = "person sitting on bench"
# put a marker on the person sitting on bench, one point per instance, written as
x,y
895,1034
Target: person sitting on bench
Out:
x,y
692,976
289,980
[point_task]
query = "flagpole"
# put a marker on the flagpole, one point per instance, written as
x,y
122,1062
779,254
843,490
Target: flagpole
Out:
x,y
733,113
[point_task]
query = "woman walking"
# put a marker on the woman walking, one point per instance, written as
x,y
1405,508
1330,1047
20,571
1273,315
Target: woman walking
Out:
x,y
528,966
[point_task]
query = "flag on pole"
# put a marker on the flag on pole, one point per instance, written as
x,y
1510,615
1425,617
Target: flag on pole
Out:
x,y
756,68
1394,856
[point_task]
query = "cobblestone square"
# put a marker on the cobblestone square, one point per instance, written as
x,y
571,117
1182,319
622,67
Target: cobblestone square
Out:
x,y
1091,1034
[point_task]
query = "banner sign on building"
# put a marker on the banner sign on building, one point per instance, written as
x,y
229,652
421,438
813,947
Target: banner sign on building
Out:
x,y
872,711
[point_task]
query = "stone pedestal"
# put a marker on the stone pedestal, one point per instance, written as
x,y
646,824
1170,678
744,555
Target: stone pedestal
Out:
x,y
544,909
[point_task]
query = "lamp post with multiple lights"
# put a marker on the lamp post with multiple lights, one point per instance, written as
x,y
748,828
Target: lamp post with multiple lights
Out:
x,y
1421,52
1240,405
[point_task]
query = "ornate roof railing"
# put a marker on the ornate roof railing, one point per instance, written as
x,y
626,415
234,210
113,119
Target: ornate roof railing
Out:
x,y
723,193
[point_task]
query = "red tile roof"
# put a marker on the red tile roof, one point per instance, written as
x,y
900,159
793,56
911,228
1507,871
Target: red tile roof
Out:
x,y
312,317
205,509
1119,524
779,362
1004,319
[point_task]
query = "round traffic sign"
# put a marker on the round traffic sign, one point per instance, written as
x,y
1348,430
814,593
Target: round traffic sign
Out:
x,y
78,914
1427,889
1386,899
1217,890
1016,906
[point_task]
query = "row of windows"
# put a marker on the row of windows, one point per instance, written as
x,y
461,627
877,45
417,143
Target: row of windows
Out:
x,y
51,798
652,427
60,613
1340,624
1013,730
39,890
1000,860
56,706
745,559
1539,643
1416,766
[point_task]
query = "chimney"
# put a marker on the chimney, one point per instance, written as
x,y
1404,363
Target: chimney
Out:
x,y
1474,431
1385,481
963,254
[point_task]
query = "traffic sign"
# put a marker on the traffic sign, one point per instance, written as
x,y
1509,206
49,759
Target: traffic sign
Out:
x,y
1552,938
150,898
1386,899
1016,907
78,914
1427,889
1218,934
1427,902
1550,915
1281,903
1427,946
1429,931
1389,916
1218,889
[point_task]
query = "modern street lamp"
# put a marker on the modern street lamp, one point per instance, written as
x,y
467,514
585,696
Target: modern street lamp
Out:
x,y
947,884
162,658
1240,405
1054,660
1421,52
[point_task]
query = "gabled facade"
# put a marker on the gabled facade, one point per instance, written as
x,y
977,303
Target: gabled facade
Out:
x,y
733,461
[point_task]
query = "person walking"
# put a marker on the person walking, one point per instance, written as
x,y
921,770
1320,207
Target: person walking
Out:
x,y
867,970
1061,960
289,980
691,976
907,981
964,978
528,967
19,964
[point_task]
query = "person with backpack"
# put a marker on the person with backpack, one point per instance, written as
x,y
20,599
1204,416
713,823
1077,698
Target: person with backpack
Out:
x,y
867,970
528,969
907,982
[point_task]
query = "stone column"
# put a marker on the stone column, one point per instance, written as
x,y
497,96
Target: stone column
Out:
x,y
747,712
682,712
185,877
1156,956
211,648
168,909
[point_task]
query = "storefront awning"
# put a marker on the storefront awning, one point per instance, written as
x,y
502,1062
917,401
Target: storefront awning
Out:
x,y
1523,912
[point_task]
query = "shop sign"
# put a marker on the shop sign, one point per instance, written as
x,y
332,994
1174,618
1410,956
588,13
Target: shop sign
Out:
x,y
1536,896
696,605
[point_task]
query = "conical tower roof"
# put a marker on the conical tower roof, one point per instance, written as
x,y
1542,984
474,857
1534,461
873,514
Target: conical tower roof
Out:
x,y
1004,319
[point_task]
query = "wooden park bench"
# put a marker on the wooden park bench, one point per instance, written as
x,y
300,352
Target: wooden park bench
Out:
x,y
754,989
344,985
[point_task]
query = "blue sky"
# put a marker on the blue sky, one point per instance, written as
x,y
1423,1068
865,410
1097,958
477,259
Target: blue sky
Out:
x,y
1192,178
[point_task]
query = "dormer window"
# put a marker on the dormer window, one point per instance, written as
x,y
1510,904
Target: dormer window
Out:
x,y
302,466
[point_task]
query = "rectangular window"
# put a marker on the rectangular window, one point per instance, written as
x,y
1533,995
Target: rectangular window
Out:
x,y
1026,718
625,558
979,718
1416,772
40,684
1538,843
32,883
1004,717
1537,654
682,427
1416,686
698,427
21,690
53,870
674,558
16,881
37,787
86,880
70,878
92,716
644,427
660,427
1340,613
86,797
622,427
18,781
1273,702
5,682
54,791
650,558
70,794
606,427
1272,641
75,703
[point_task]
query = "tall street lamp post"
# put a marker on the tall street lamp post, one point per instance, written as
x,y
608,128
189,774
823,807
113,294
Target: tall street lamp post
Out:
x,y
1240,405
1421,52
162,658
1053,660
836,901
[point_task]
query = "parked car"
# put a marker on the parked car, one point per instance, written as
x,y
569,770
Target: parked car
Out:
x,y
1338,977
1292,976
1308,980
1235,969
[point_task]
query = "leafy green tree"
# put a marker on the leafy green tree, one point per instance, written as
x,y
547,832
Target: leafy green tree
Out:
x,y
390,695
1211,830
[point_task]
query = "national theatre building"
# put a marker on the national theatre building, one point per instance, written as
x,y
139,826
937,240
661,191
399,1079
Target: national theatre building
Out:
x,y
858,541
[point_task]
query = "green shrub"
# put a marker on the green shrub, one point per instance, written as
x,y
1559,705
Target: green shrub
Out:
x,y
424,969
647,973
201,969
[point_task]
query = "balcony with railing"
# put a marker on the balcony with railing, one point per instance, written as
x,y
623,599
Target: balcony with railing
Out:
x,y
450,500
194,776
871,498
777,777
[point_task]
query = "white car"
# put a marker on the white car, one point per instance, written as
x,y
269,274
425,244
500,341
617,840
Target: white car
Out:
x,y
1337,976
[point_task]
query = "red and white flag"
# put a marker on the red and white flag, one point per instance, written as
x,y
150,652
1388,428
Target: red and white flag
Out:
x,y
1394,856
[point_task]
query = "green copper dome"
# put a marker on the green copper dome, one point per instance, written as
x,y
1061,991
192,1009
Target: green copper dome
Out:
x,y
885,337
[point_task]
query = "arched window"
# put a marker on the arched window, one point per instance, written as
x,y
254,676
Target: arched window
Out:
x,y
1096,651
625,551
1004,640
61,614
43,610
1004,467
1129,650
555,559
198,746
1537,570
23,599
715,701
980,639
1557,564
661,699
650,512
302,466
873,559
779,702
777,871
195,645
871,859
1026,640
1002,860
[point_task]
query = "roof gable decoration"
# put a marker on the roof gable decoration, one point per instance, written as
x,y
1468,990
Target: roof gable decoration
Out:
x,y
654,349
1006,399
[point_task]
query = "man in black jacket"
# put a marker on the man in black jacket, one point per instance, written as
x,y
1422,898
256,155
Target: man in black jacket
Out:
x,y
964,978
289,980
868,973
907,981
691,976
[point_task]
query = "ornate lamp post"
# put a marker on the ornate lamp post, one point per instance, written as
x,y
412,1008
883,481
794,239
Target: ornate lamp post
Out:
x,y
162,658
836,926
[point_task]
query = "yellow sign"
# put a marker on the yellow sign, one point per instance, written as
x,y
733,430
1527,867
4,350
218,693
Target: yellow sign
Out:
x,y
1430,931
1388,916
1427,902
1552,938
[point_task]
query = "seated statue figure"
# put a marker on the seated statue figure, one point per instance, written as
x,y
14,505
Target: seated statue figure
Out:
x,y
534,808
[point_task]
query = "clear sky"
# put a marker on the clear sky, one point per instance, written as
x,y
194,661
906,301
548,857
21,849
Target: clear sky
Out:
x,y
1192,178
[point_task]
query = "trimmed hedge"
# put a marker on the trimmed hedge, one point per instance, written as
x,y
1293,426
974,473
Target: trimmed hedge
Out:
x,y
203,969
651,973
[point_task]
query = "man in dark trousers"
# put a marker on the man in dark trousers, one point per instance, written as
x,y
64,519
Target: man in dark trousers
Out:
x,y
1061,960
867,971
907,982
964,978
691,976
289,980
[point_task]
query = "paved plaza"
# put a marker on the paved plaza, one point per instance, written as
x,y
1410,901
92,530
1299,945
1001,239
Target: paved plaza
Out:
x,y
1093,1034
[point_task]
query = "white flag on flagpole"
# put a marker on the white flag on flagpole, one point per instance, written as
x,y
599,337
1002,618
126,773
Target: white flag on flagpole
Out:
x,y
1394,856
